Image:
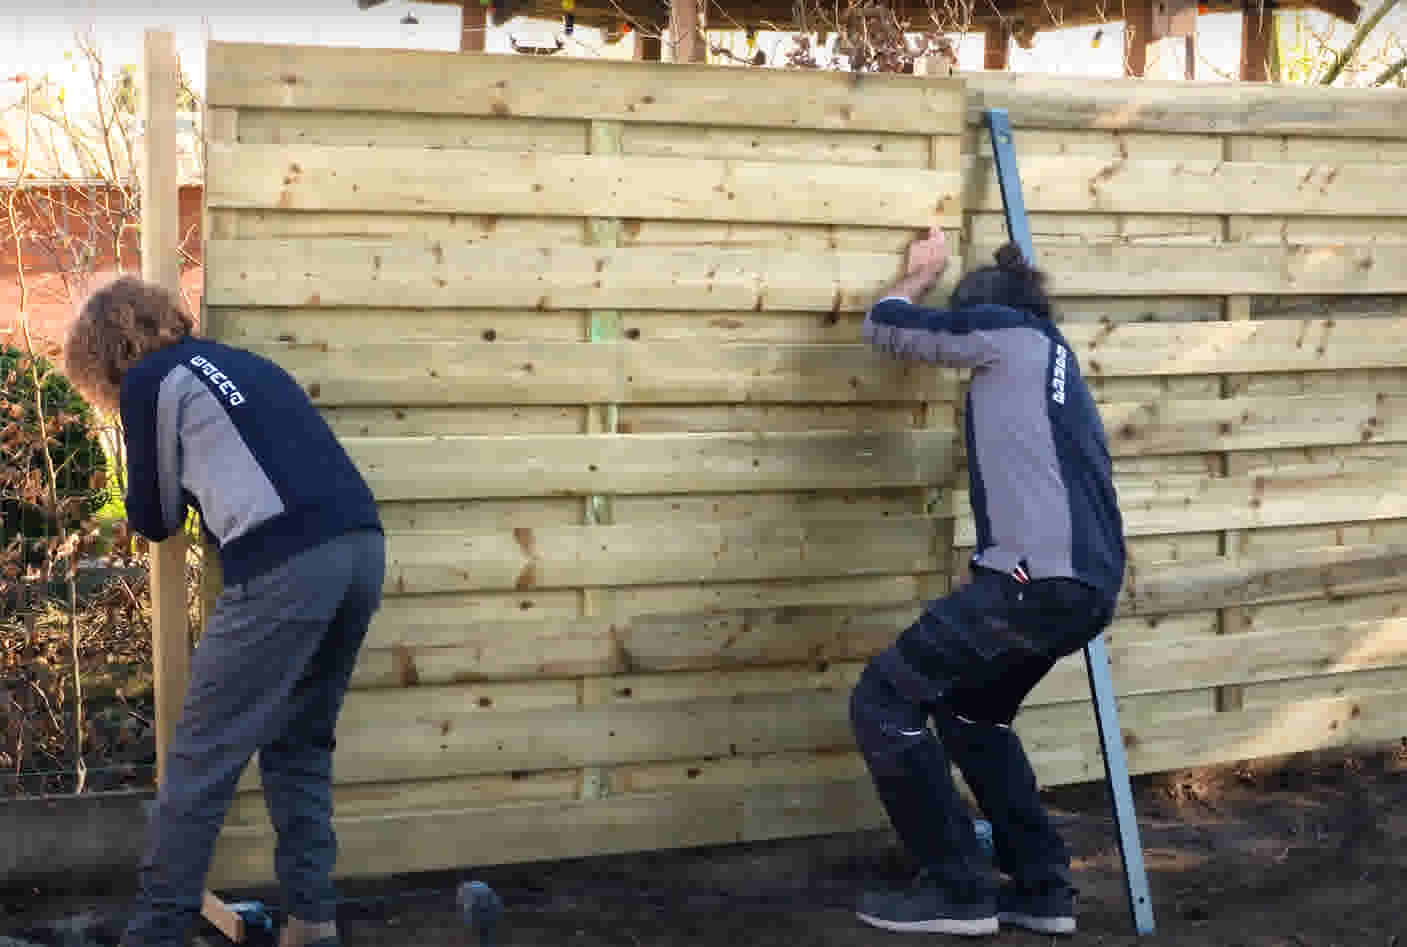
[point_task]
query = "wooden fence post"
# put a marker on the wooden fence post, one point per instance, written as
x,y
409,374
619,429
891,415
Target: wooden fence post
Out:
x,y
161,264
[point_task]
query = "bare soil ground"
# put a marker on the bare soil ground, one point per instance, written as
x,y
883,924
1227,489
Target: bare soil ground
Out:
x,y
1286,854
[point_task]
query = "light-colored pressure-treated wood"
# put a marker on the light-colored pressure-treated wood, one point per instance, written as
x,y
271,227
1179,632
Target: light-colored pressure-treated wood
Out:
x,y
529,183
593,331
289,77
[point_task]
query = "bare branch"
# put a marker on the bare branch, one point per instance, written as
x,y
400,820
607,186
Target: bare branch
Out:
x,y
1391,72
1359,35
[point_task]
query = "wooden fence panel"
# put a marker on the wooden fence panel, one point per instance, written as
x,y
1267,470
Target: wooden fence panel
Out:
x,y
651,504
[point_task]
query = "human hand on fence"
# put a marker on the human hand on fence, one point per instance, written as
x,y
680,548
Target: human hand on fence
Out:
x,y
928,256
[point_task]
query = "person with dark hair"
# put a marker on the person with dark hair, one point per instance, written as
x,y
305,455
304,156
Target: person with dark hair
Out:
x,y
1045,576
302,554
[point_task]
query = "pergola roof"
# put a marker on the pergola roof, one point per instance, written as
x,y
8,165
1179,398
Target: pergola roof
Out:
x,y
1033,15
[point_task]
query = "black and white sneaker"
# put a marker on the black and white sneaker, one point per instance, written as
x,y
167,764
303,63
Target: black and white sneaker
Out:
x,y
1045,910
928,907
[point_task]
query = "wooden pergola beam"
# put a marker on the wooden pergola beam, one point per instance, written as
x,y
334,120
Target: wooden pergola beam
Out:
x,y
473,26
686,31
1153,31
1257,31
781,14
996,48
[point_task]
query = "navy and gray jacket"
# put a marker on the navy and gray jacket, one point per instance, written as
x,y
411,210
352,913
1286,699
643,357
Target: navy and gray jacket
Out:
x,y
231,434
1038,462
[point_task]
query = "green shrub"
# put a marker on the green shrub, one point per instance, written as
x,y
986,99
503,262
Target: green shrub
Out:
x,y
80,463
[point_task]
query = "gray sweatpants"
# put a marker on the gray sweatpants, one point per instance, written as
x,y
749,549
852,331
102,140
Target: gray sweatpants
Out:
x,y
269,675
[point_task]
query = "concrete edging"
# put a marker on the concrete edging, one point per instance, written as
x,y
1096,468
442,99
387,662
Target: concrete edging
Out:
x,y
72,841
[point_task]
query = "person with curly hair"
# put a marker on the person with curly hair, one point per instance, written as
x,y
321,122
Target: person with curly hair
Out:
x,y
302,551
1045,576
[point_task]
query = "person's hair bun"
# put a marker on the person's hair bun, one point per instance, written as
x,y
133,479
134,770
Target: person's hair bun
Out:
x,y
1010,257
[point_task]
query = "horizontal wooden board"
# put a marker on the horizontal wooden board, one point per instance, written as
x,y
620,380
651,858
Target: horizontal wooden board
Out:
x,y
1083,103
450,373
364,326
532,512
1076,184
403,468
1123,270
1261,542
1241,347
404,129
1365,459
643,643
1328,307
868,149
1115,309
1154,666
1347,687
648,553
424,732
440,373
418,640
1285,574
1176,426
988,228
1105,143
414,273
488,229
371,799
381,326
782,504
1388,381
647,419
794,238
424,840
1338,228
462,420
428,274
634,419
1180,503
479,514
1300,148
313,77
1060,740
450,619
314,178
1386,608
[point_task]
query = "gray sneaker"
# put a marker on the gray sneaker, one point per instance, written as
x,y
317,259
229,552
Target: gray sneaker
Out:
x,y
1045,910
928,907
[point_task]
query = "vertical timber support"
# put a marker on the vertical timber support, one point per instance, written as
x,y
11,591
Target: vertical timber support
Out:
x,y
1101,681
1151,32
473,26
996,47
161,264
1257,46
686,31
1140,50
1229,697
602,419
222,128
648,48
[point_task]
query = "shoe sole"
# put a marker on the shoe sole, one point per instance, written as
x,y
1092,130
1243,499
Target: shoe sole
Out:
x,y
1041,925
976,927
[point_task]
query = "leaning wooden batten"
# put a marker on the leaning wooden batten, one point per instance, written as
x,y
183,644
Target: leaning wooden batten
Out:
x,y
673,670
